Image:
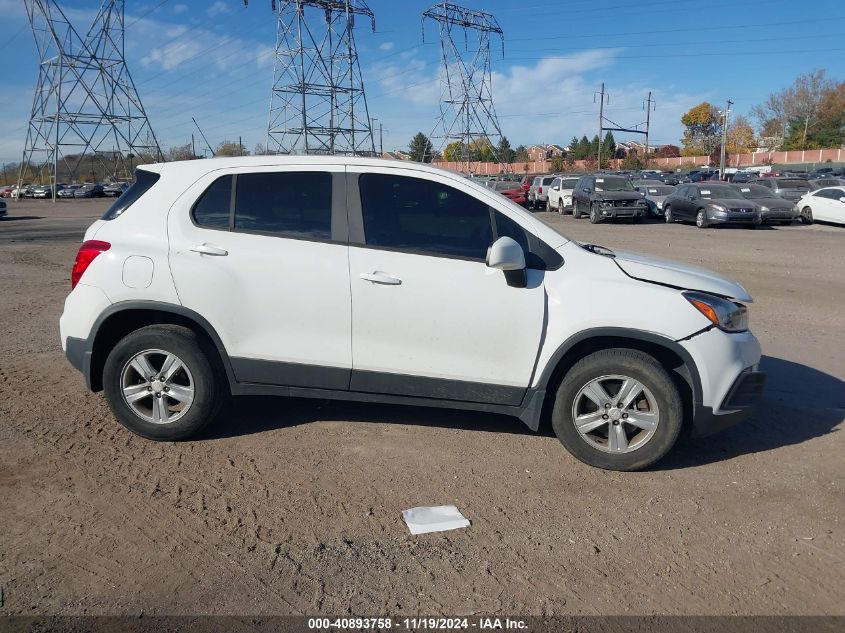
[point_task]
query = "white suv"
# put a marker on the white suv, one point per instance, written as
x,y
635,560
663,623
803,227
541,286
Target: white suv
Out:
x,y
369,280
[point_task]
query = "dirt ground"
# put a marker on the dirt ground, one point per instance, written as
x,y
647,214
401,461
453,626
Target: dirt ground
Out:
x,y
293,506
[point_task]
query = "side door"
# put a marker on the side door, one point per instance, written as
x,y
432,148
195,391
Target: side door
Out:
x,y
685,209
261,253
429,318
829,208
554,194
580,197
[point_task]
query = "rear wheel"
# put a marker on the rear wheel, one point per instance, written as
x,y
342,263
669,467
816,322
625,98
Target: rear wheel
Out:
x,y
807,215
618,409
163,382
667,215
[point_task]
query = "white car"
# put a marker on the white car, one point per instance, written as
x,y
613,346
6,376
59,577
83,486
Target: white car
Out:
x,y
560,194
826,205
369,280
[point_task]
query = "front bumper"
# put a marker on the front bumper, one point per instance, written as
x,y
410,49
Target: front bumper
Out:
x,y
737,407
623,212
777,214
749,220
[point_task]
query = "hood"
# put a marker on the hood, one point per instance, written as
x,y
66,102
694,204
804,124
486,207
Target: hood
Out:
x,y
618,195
774,202
732,203
677,275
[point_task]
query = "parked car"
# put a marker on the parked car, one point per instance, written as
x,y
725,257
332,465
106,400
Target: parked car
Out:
x,y
789,188
46,191
560,194
115,190
538,193
3,208
607,197
526,181
741,177
24,191
704,175
412,285
773,208
68,191
6,191
828,181
827,205
669,178
708,204
89,191
511,190
655,195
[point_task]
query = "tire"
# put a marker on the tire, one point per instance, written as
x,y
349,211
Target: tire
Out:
x,y
200,383
595,218
560,209
548,206
576,212
701,219
667,215
807,215
611,368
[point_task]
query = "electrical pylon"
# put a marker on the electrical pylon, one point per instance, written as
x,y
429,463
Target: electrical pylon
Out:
x,y
85,107
317,103
467,113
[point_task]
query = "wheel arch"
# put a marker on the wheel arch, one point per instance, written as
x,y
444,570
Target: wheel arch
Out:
x,y
122,318
670,354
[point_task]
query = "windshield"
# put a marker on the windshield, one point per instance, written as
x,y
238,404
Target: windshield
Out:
x,y
755,192
796,183
659,191
717,191
611,183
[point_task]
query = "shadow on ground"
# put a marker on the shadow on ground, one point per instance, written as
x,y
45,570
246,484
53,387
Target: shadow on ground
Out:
x,y
800,403
16,218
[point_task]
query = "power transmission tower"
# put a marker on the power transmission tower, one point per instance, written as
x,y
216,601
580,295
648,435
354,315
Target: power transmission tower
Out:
x,y
85,103
318,104
467,113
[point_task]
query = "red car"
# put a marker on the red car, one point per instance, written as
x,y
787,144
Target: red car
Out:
x,y
526,181
6,192
511,190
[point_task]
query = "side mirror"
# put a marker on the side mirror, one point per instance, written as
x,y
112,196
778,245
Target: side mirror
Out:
x,y
587,190
506,254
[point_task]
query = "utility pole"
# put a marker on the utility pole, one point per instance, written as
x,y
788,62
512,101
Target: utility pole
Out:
x,y
601,125
726,113
380,138
193,147
647,124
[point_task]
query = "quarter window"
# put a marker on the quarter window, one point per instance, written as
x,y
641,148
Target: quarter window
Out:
x,y
293,204
212,209
423,216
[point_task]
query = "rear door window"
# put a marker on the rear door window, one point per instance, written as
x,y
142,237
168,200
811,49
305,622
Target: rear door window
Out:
x,y
289,204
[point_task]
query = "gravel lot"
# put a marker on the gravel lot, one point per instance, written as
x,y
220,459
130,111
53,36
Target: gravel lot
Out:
x,y
290,507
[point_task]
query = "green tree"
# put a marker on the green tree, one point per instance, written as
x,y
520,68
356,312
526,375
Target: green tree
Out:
x,y
573,146
582,149
504,151
420,148
521,154
453,152
608,146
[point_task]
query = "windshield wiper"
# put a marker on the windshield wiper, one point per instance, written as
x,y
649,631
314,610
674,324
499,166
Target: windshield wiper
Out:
x,y
598,250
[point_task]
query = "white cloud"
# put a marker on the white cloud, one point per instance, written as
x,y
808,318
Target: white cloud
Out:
x,y
180,8
264,55
173,55
218,8
386,46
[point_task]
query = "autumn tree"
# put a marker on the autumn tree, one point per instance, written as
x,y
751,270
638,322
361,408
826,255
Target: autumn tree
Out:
x,y
420,148
668,151
454,152
521,154
702,129
228,148
740,136
181,152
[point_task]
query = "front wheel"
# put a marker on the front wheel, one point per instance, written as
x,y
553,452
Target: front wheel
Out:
x,y
618,409
807,215
576,212
595,218
163,382
701,219
667,215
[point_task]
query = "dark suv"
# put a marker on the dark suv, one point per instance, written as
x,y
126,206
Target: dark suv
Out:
x,y
710,203
789,188
606,197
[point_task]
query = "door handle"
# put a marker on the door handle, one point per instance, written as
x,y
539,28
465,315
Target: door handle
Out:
x,y
378,277
209,249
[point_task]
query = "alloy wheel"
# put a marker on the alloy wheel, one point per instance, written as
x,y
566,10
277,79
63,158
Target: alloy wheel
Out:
x,y
158,386
615,413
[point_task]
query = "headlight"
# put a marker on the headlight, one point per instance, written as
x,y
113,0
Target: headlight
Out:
x,y
724,314
764,209
660,204
718,208
606,203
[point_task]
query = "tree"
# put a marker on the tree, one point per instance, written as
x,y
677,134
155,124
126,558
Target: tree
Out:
x,y
632,161
228,148
740,136
557,163
573,146
420,148
521,154
668,151
181,152
453,152
798,115
504,151
608,146
703,129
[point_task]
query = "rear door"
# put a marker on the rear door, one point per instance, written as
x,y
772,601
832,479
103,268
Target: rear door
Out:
x,y
429,318
261,253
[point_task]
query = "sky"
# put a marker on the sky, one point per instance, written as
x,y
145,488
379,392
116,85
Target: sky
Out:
x,y
212,59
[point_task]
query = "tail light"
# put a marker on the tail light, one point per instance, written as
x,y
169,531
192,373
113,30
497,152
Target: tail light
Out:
x,y
87,253
539,190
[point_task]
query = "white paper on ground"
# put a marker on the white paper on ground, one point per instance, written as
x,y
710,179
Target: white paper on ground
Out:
x,y
426,519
